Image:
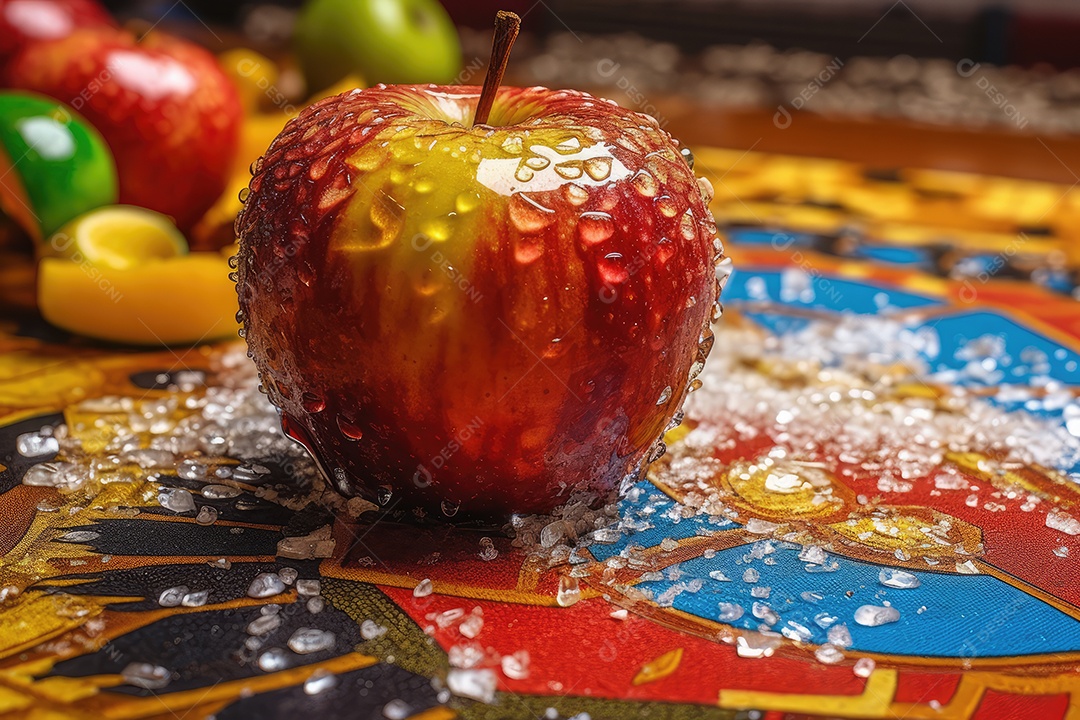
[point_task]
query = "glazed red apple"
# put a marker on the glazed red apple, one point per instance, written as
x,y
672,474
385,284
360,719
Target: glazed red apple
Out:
x,y
482,318
168,112
23,22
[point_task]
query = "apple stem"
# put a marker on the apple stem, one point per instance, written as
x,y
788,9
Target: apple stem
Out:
x,y
507,25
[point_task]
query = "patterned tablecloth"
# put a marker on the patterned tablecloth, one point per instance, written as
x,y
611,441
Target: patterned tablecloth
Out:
x,y
871,510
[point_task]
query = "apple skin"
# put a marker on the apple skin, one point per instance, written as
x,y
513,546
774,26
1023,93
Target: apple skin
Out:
x,y
383,41
483,319
23,22
170,115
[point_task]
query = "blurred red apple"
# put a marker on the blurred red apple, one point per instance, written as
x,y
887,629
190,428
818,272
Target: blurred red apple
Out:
x,y
479,318
170,115
23,22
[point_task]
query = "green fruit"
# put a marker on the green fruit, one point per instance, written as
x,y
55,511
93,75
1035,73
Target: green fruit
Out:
x,y
53,164
384,41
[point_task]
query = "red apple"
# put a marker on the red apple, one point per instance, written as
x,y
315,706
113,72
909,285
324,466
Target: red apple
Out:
x,y
170,115
23,22
483,317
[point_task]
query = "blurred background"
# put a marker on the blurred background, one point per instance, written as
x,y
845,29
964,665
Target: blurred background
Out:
x,y
708,69
1021,32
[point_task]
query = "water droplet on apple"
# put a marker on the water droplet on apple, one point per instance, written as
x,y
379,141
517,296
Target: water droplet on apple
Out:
x,y
644,183
708,224
723,271
367,161
717,311
555,349
705,342
667,206
234,261
612,270
408,153
312,402
438,229
512,145
430,281
466,202
694,385
523,174
387,215
449,509
598,168
571,170
575,194
657,451
296,431
675,422
437,315
319,167
706,188
665,395
665,250
349,428
529,216
595,227
538,162
686,226
244,193
528,250
424,186
687,156
567,146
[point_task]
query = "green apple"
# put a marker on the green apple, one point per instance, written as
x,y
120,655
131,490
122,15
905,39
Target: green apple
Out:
x,y
53,164
384,41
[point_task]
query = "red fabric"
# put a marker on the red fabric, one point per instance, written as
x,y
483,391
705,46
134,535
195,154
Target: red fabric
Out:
x,y
1003,706
592,654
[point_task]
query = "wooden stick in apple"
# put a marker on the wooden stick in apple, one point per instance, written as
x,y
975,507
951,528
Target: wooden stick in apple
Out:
x,y
507,25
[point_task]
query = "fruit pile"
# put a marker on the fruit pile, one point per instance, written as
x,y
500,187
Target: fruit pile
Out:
x,y
122,155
